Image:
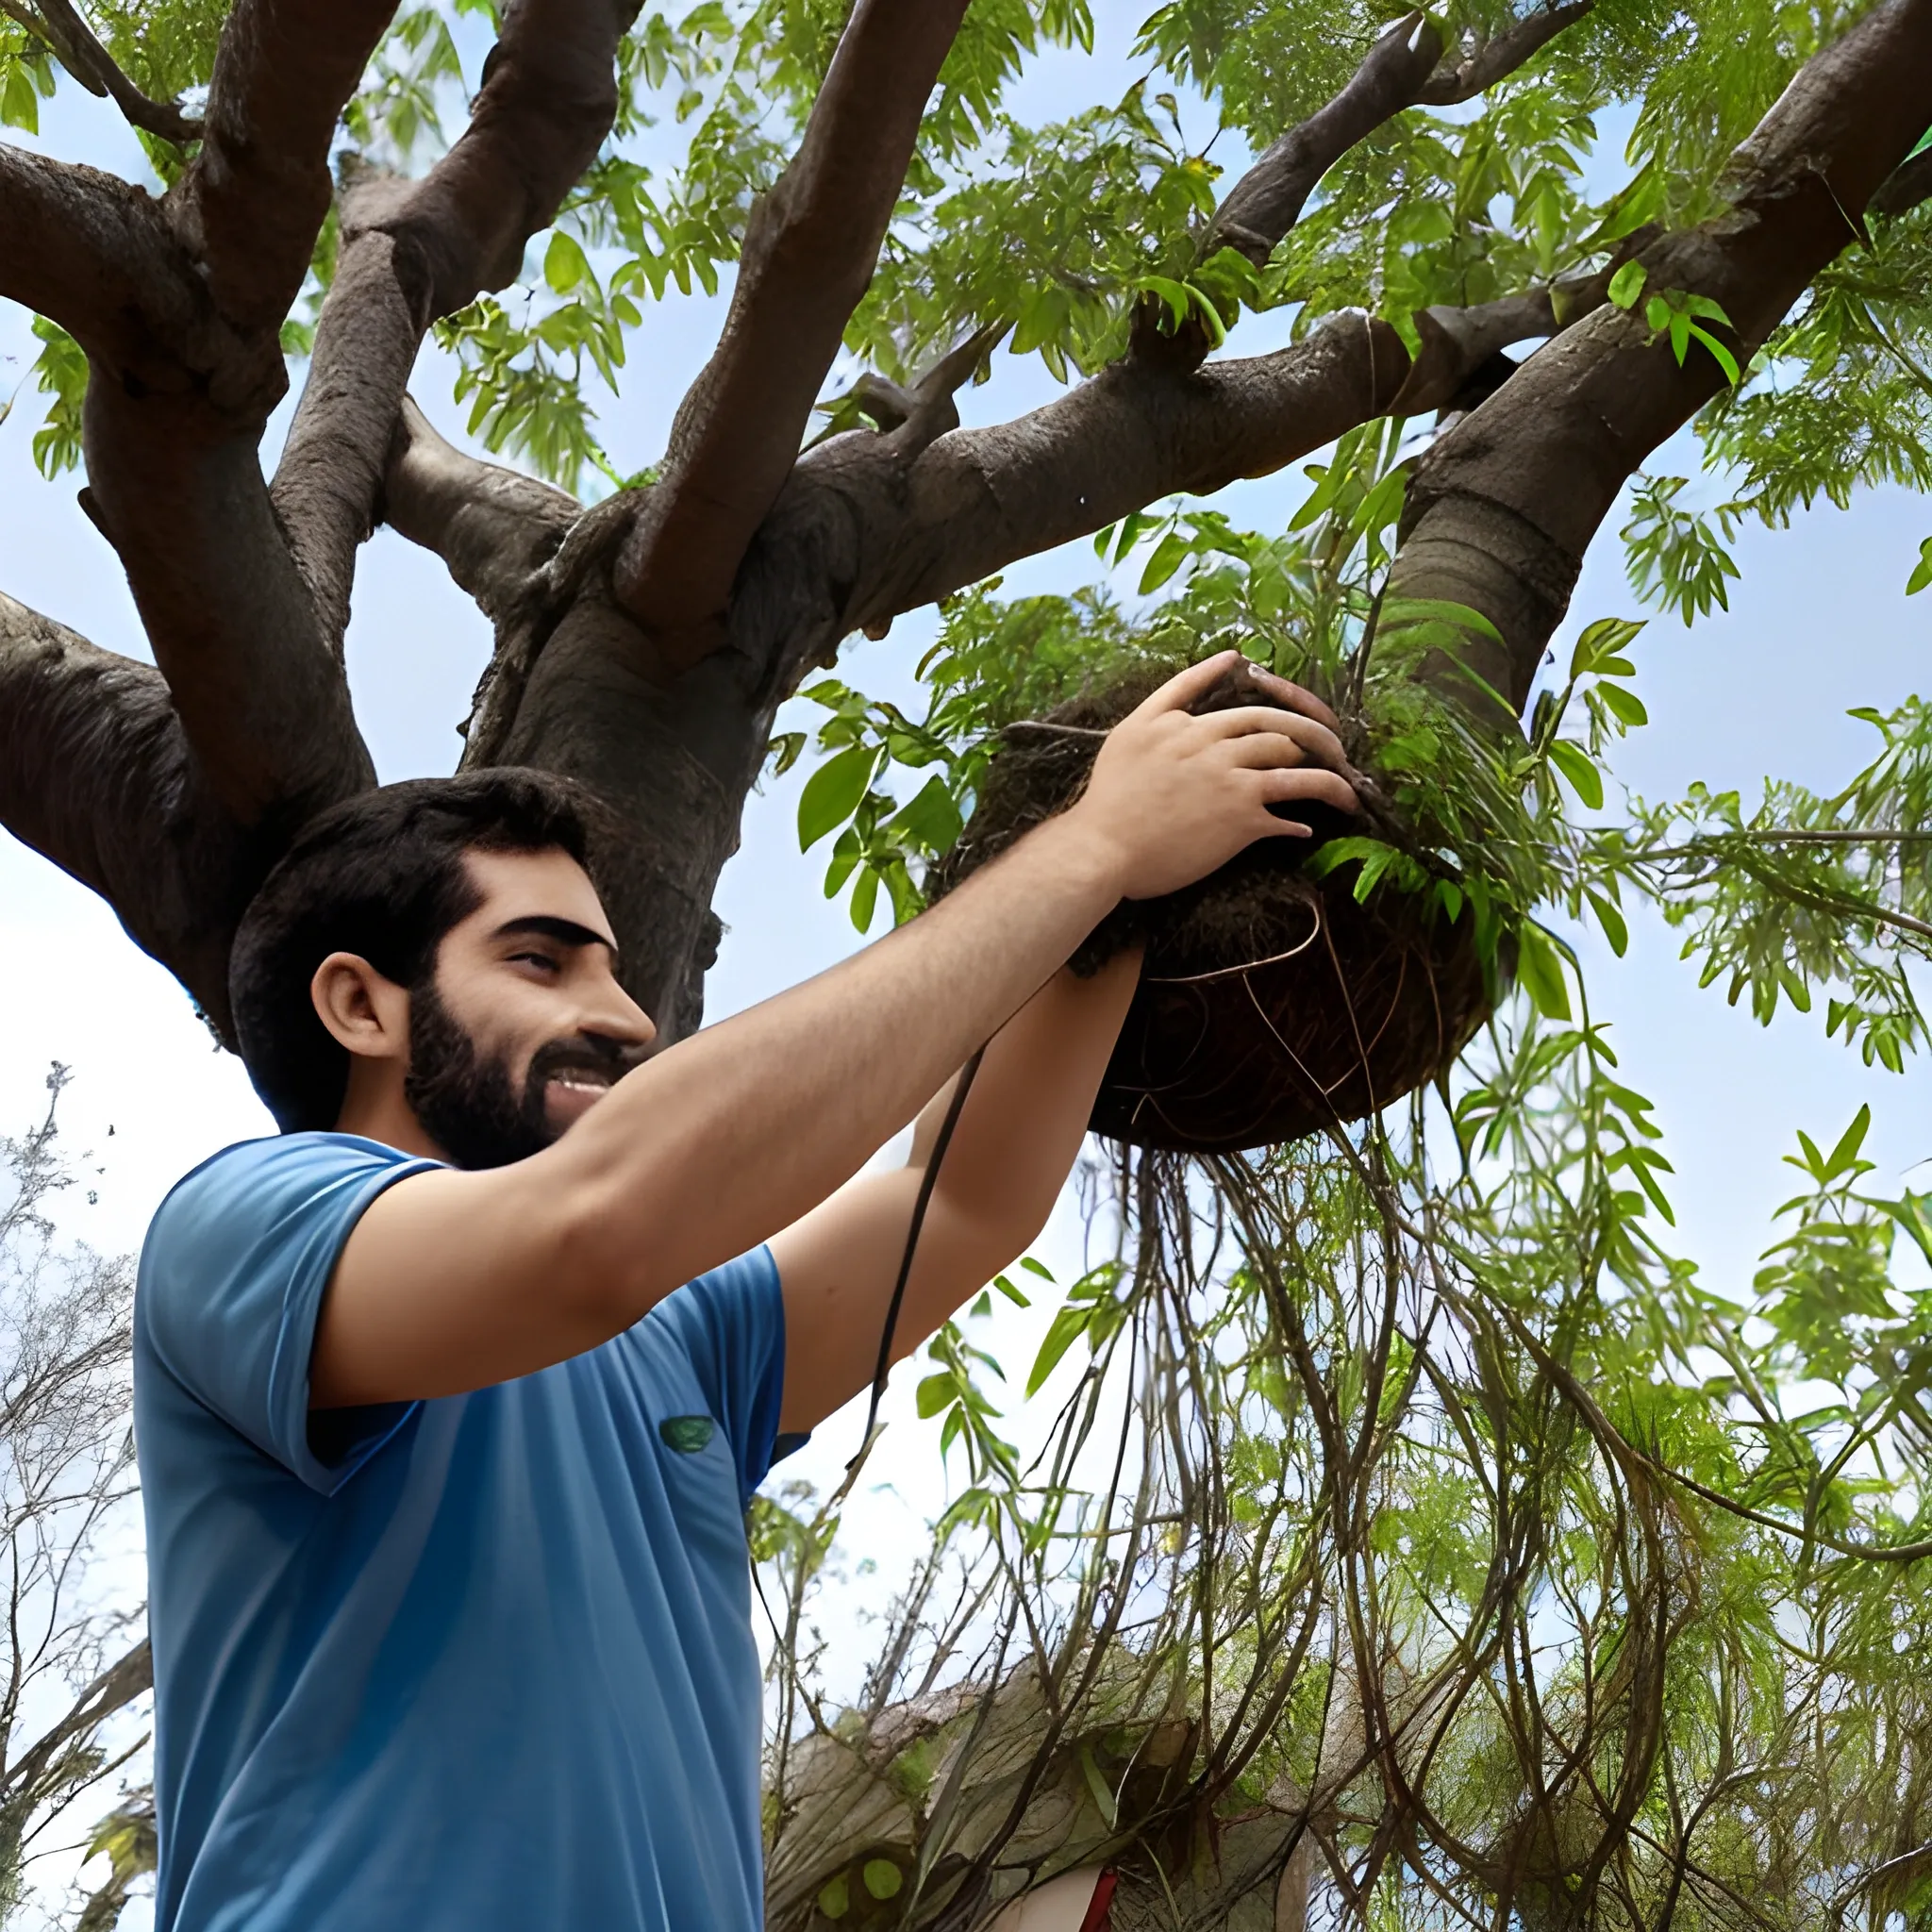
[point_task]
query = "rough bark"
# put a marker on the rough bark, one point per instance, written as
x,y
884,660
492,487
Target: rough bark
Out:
x,y
95,773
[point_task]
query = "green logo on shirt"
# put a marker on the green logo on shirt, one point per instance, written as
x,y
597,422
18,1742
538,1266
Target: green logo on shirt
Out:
x,y
687,1434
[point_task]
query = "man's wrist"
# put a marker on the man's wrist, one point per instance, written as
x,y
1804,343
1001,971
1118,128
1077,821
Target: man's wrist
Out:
x,y
1090,860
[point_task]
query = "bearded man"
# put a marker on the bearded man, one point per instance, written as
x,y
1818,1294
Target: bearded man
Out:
x,y
450,1398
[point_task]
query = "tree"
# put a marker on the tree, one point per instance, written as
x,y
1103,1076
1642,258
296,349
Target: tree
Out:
x,y
1434,1571
67,1666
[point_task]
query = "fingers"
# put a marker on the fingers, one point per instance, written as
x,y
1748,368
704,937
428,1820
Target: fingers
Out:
x,y
1279,787
1284,690
1196,681
1262,724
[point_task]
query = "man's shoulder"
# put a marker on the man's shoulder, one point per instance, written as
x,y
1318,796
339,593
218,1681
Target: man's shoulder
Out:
x,y
256,1182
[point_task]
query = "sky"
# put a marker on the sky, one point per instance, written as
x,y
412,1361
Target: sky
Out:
x,y
1818,623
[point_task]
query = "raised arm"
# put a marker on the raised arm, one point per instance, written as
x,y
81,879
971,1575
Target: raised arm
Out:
x,y
1017,1136
453,1280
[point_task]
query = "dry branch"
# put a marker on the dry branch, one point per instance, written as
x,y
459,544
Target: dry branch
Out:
x,y
808,255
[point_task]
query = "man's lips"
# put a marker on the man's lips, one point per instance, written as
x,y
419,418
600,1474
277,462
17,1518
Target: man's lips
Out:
x,y
572,1091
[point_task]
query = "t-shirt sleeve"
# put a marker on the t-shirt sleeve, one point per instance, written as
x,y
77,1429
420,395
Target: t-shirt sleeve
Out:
x,y
731,1324
231,1283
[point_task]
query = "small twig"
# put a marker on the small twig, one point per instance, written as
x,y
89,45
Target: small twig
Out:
x,y
75,45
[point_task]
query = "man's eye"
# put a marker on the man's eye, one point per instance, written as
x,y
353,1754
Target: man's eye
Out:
x,y
542,959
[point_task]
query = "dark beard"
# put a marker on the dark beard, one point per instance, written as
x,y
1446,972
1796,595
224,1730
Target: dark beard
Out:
x,y
468,1104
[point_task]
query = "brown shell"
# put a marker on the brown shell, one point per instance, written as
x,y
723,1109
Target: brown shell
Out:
x,y
1270,1004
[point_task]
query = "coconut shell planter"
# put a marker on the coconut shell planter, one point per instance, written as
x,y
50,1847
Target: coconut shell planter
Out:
x,y
1270,1004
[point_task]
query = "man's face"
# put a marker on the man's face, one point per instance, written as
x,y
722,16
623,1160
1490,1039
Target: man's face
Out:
x,y
524,1027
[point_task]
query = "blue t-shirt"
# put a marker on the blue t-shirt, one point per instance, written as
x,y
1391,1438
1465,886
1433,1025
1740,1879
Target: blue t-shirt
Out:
x,y
479,1662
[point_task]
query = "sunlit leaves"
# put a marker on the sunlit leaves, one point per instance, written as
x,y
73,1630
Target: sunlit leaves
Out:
x,y
1676,555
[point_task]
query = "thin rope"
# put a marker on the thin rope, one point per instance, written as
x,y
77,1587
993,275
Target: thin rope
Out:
x,y
1229,972
926,1182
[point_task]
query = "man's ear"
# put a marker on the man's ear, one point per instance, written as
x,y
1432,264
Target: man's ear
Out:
x,y
364,1011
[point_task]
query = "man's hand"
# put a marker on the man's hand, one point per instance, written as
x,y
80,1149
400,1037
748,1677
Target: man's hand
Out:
x,y
1177,795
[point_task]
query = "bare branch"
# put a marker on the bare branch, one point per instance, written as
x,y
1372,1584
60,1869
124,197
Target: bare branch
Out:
x,y
1501,510
495,529
413,251
1490,63
96,774
60,27
255,197
809,256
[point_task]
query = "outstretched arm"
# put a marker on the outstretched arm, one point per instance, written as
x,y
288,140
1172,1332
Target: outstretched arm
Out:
x,y
453,1280
1016,1138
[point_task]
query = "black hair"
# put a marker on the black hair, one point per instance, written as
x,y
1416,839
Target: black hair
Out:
x,y
380,875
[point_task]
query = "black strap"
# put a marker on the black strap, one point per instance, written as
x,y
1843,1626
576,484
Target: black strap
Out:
x,y
926,1181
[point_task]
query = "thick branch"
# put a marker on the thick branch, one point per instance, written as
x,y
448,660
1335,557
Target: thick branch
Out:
x,y
60,26
413,251
1501,510
96,774
896,521
809,256
90,252
253,201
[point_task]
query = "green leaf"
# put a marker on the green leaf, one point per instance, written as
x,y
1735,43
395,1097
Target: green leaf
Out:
x,y
1539,972
882,1877
1922,574
1611,919
1626,285
1169,555
565,265
1575,765
865,898
835,1900
1103,1798
1846,1152
936,1392
832,792
1012,1291
1068,1323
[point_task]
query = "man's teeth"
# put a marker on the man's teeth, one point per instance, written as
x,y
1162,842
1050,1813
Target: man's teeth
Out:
x,y
588,1083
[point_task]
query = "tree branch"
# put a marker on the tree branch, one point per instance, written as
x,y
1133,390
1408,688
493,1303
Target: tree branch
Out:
x,y
96,776
898,520
1402,70
1501,510
495,529
1490,63
808,255
413,251
255,197
60,27
93,253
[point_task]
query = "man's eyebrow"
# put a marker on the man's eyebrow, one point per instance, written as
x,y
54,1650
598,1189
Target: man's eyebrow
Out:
x,y
566,932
